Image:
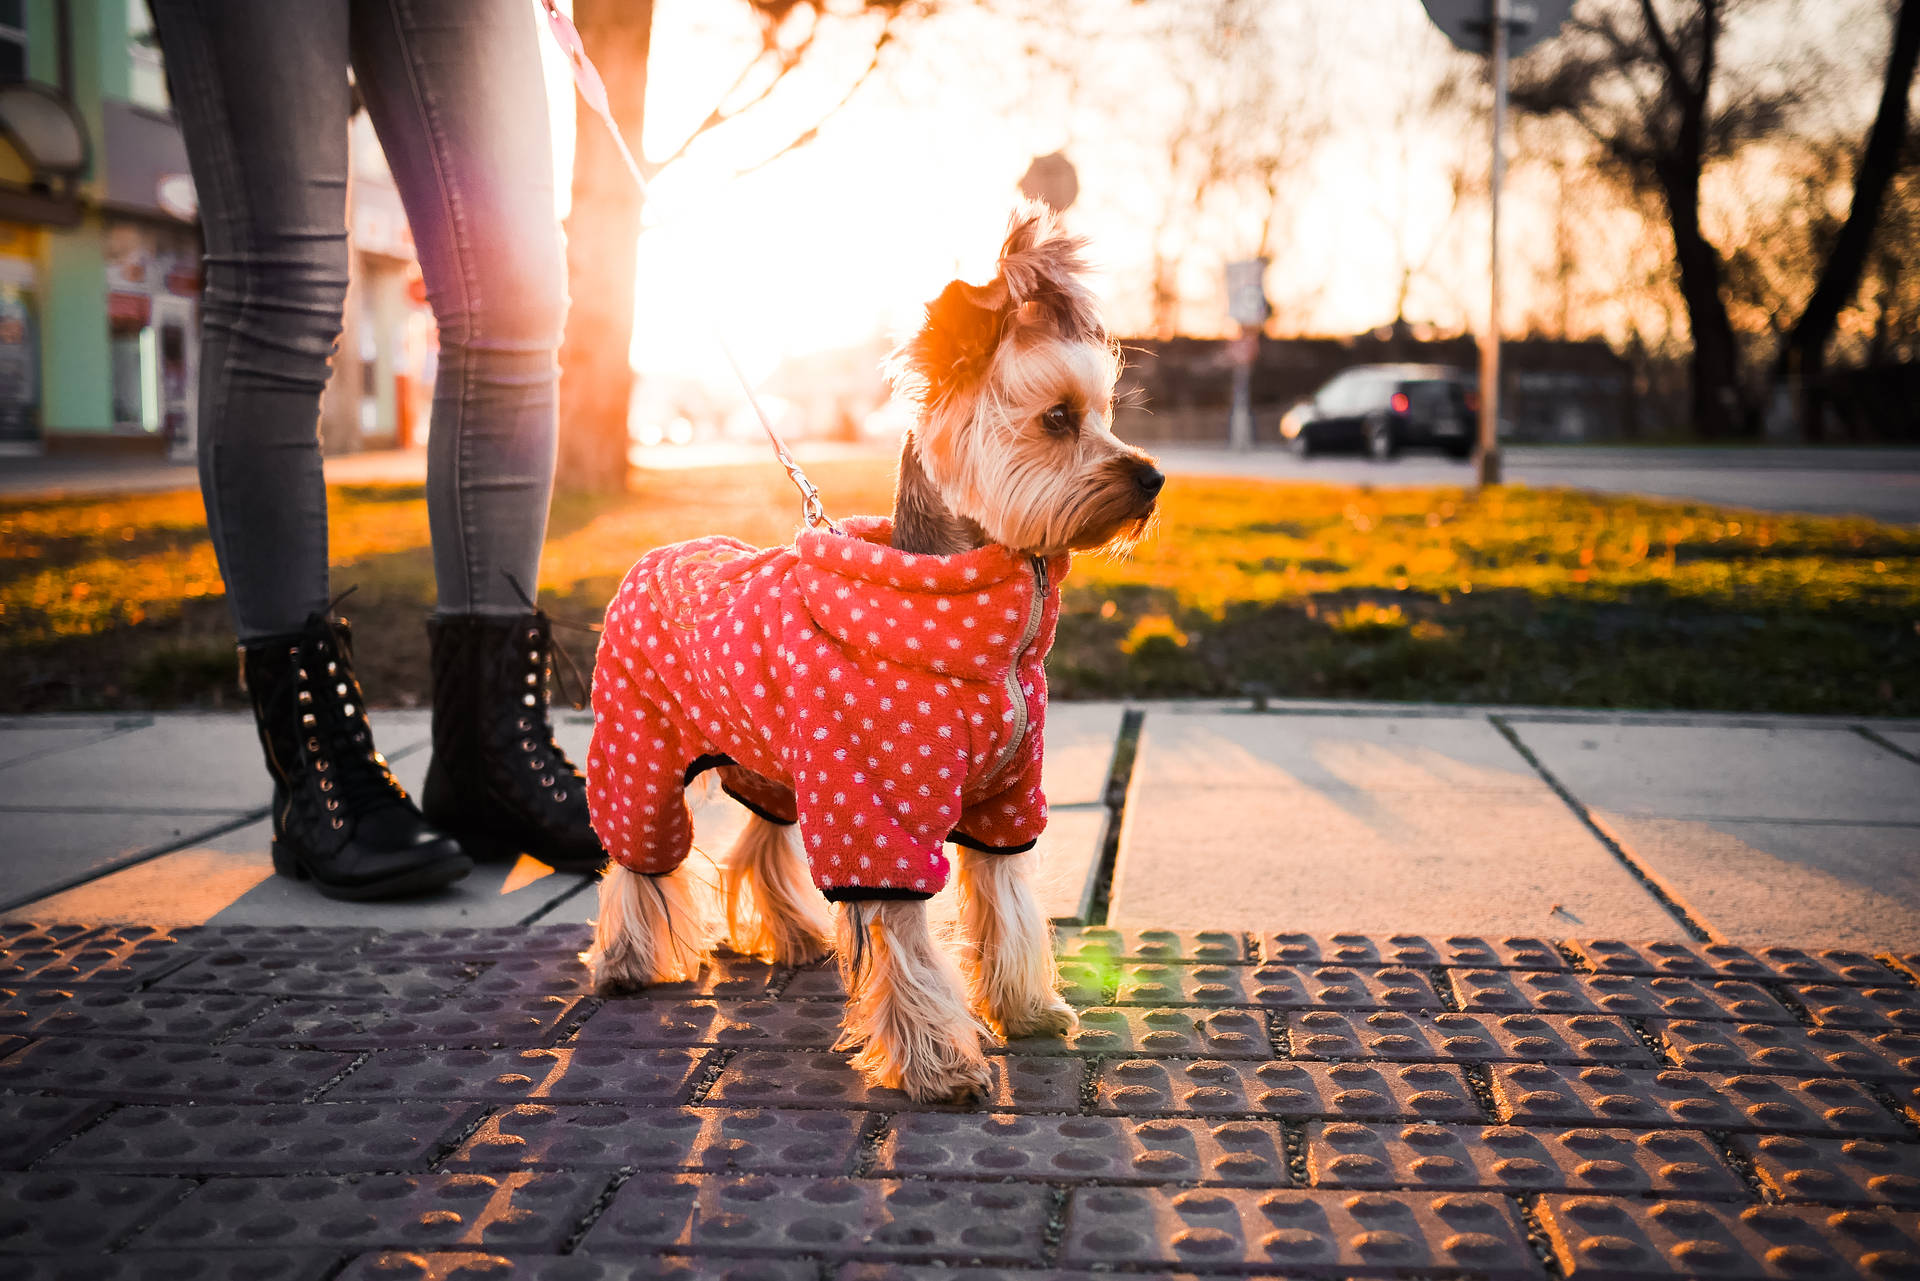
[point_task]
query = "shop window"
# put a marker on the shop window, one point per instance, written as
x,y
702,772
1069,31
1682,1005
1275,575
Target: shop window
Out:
x,y
13,41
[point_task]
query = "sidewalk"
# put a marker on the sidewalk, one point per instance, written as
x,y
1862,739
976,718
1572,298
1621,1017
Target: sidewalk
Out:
x,y
1367,990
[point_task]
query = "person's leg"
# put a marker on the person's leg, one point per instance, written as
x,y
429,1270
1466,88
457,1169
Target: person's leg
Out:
x,y
261,92
456,90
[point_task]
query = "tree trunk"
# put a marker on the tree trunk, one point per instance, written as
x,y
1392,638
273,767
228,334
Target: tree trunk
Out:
x,y
1714,375
596,376
1803,357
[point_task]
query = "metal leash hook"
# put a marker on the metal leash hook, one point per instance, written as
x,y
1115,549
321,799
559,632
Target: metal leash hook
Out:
x,y
593,91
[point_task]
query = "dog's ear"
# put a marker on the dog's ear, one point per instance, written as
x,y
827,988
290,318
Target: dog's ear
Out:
x,y
1042,267
955,345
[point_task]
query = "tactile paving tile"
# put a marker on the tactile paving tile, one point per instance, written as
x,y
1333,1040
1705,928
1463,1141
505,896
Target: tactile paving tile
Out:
x,y
59,956
1277,987
1372,950
754,1141
1505,1158
134,1072
779,1078
1598,1240
273,1138
1098,943
480,943
1222,1033
1703,960
394,1265
815,982
1387,1091
563,1074
787,1024
1629,995
281,974
43,933
227,1265
1861,1007
1836,1170
832,1217
1372,1232
306,940
30,1125
525,1210
1791,1051
1465,1038
540,972
360,1023
1539,1094
1076,1148
57,1212
108,1012
1839,966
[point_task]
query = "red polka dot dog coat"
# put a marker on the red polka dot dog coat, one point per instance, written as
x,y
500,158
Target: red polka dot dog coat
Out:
x,y
888,701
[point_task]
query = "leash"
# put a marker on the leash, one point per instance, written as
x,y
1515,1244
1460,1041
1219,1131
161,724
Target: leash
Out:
x,y
586,78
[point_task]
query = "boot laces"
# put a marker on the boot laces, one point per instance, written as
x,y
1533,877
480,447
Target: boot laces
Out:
x,y
359,773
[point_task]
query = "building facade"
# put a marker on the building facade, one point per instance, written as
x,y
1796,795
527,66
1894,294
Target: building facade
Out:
x,y
100,253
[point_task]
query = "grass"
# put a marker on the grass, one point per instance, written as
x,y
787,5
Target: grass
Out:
x,y
1245,587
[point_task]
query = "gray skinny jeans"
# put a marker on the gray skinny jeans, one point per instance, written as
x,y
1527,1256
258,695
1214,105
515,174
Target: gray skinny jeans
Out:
x,y
454,90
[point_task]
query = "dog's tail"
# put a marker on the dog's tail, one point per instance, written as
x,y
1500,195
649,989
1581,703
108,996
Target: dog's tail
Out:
x,y
771,908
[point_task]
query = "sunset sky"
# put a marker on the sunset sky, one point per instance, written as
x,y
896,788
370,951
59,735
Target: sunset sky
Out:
x,y
910,184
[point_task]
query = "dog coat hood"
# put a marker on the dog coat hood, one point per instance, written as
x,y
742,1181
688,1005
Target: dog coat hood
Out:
x,y
889,701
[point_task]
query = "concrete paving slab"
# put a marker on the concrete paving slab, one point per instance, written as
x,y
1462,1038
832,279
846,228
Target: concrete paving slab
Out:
x,y
1906,740
1080,738
1679,771
229,880
43,849
1806,884
183,759
30,738
1333,823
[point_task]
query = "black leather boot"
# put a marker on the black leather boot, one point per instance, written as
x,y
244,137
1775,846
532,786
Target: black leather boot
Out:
x,y
498,780
339,817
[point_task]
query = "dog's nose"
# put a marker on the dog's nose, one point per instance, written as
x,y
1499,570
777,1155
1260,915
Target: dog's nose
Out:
x,y
1149,479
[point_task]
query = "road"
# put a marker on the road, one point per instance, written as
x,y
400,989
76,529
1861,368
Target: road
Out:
x,y
1881,483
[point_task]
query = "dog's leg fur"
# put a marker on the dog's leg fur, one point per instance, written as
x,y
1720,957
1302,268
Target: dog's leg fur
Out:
x,y
651,929
771,908
1006,948
905,1005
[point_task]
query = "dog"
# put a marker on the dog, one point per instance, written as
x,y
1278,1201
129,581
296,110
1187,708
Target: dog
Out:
x,y
874,693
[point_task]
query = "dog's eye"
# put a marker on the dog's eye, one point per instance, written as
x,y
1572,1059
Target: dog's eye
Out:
x,y
1058,420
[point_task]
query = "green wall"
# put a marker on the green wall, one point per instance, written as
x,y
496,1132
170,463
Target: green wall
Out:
x,y
75,362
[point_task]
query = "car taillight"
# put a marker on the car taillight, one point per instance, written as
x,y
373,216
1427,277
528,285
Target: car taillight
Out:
x,y
1400,402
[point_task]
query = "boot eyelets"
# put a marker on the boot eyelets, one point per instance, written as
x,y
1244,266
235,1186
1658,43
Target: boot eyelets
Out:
x,y
526,724
339,823
348,708
533,678
526,745
306,718
528,700
560,795
546,780
333,803
326,785
313,745
305,698
320,767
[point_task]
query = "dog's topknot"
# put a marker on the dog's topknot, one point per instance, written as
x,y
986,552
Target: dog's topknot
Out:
x,y
1042,265
1040,268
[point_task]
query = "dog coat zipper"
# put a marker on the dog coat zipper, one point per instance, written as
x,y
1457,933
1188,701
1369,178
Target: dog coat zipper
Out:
x,y
1015,694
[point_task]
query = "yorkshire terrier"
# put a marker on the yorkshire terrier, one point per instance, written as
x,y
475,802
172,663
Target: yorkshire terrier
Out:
x,y
882,688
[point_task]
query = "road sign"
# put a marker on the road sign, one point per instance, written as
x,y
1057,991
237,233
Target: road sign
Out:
x,y
1468,23
1247,291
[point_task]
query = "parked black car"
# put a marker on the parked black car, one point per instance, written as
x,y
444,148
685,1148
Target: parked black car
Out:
x,y
1383,409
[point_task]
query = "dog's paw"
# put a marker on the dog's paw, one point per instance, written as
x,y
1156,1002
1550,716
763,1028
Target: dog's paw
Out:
x,y
1055,1018
963,1082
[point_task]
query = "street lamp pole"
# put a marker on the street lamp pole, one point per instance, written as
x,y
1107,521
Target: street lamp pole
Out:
x,y
1489,454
